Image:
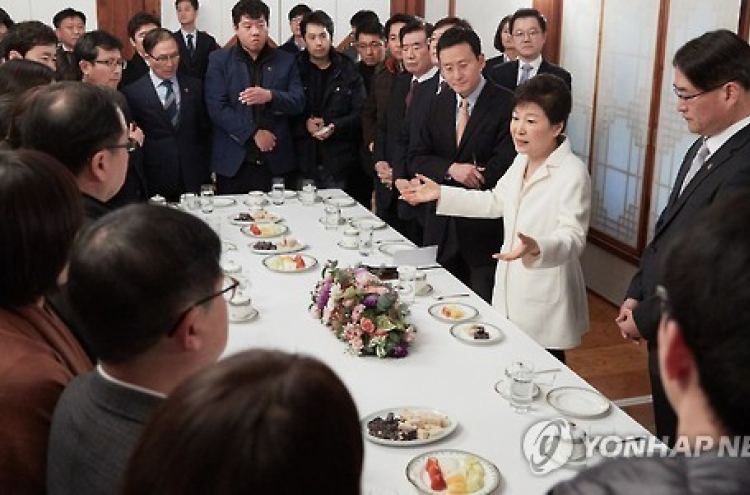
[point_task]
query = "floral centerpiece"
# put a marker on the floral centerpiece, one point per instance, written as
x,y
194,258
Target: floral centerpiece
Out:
x,y
362,311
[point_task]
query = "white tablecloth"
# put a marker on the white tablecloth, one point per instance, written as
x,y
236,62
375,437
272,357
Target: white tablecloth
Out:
x,y
440,372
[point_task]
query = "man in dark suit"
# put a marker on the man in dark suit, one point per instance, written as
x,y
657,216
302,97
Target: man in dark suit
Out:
x,y
195,46
146,283
169,108
295,43
251,92
138,25
70,24
712,84
529,30
465,142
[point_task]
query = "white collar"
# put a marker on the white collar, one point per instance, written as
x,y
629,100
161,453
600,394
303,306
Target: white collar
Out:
x,y
474,96
426,75
129,386
535,64
713,143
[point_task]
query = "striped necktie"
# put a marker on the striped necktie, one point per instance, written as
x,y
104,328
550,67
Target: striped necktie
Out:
x,y
525,73
698,161
170,102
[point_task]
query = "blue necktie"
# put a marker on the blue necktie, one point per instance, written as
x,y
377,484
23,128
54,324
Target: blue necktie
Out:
x,y
170,102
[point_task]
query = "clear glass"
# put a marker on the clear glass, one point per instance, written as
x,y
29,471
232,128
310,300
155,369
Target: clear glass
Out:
x,y
308,193
365,241
521,386
407,283
333,217
277,191
207,198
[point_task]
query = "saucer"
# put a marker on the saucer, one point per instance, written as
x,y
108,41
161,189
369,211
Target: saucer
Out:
x,y
347,246
250,317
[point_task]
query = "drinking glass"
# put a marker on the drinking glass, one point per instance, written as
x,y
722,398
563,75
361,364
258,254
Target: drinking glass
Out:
x,y
407,283
521,386
333,217
365,241
308,193
207,198
277,191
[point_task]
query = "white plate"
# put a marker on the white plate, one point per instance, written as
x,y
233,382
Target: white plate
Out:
x,y
501,387
266,218
266,230
467,312
368,222
342,220
347,246
223,201
279,248
462,331
271,261
341,201
390,248
407,443
253,315
289,194
417,474
578,402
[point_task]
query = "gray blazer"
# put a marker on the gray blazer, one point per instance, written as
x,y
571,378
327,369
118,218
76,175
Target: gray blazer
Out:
x,y
94,428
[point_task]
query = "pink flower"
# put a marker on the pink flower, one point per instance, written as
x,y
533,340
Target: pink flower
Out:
x,y
376,289
315,312
363,277
357,312
367,325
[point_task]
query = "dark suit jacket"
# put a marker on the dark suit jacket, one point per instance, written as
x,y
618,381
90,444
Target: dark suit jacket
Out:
x,y
175,159
235,124
386,139
725,171
196,65
487,142
136,69
94,429
506,75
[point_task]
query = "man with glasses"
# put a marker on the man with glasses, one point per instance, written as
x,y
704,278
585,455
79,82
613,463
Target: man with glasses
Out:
x,y
252,90
701,309
295,43
138,25
529,30
146,283
712,83
169,107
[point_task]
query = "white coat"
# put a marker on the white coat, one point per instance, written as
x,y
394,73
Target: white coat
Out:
x,y
544,295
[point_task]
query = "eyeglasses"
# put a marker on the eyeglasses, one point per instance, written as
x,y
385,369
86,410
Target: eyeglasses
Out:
x,y
373,44
130,145
531,33
163,59
228,288
112,63
685,97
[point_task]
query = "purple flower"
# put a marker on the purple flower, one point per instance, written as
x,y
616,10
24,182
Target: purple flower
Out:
x,y
400,350
371,300
324,294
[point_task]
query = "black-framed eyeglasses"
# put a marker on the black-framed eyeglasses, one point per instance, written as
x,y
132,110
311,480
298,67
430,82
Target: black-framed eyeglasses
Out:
x,y
130,146
112,63
685,97
663,296
163,59
228,288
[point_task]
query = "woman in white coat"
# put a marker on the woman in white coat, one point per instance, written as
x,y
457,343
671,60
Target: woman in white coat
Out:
x,y
545,201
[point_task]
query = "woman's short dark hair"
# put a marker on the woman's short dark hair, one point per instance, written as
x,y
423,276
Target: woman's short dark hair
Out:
x,y
273,423
135,271
71,121
316,17
254,9
707,279
17,75
550,93
88,45
499,33
40,213
715,58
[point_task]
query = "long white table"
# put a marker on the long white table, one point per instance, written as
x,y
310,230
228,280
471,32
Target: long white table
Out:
x,y
440,372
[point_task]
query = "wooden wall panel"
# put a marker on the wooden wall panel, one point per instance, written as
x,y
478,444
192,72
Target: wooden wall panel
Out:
x,y
113,16
413,7
553,11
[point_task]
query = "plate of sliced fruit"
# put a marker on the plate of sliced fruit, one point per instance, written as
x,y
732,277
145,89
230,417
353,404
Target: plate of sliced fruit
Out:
x,y
477,333
256,216
265,230
453,312
286,263
407,426
453,471
283,246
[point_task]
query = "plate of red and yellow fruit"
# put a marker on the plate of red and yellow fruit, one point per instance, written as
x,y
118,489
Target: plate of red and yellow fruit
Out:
x,y
454,472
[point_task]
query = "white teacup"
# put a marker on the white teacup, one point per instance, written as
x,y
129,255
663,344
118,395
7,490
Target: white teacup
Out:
x,y
240,307
350,238
256,198
420,282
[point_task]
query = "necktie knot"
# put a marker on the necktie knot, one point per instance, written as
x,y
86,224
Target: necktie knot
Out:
x,y
167,83
525,73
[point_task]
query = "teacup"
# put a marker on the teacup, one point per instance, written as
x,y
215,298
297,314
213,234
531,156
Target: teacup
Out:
x,y
256,198
420,282
350,238
240,307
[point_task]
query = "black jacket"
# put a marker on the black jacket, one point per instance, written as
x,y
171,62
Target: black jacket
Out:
x,y
341,104
196,65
